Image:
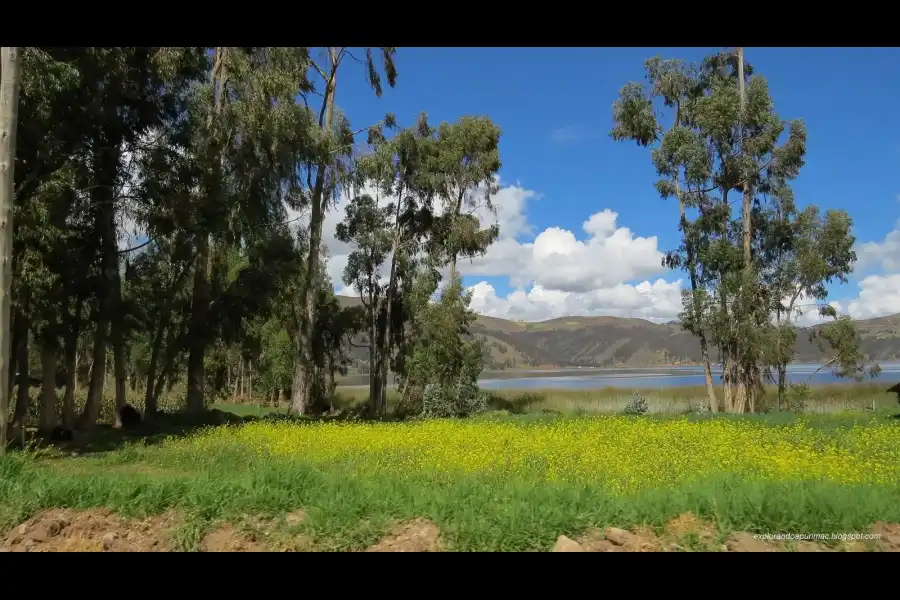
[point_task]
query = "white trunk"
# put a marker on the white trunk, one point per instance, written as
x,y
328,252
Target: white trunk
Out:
x,y
9,116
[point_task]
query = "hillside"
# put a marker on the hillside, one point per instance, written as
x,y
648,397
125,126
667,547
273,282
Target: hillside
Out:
x,y
614,341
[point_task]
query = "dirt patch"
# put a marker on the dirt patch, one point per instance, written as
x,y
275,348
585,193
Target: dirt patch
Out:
x,y
745,542
65,530
689,533
890,536
228,539
419,535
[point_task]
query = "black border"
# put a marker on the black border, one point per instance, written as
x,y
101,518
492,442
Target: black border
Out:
x,y
454,24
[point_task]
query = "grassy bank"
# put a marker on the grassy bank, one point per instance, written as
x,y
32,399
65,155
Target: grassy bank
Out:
x,y
512,483
676,400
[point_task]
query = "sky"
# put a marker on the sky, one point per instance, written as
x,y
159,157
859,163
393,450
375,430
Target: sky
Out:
x,y
582,228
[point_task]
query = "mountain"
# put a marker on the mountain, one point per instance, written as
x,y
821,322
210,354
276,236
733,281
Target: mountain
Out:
x,y
615,341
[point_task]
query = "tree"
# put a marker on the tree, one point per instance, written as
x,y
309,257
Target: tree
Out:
x,y
635,119
466,164
9,105
366,226
803,253
721,141
335,141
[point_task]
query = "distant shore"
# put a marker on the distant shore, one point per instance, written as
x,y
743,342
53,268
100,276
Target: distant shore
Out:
x,y
360,380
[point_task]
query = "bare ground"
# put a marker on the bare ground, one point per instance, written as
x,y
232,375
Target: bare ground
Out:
x,y
66,530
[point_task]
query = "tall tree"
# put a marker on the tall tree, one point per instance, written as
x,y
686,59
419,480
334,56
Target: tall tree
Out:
x,y
9,106
322,174
366,226
467,161
635,119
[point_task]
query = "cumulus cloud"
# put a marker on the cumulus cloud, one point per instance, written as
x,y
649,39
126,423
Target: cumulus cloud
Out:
x,y
659,301
879,295
884,254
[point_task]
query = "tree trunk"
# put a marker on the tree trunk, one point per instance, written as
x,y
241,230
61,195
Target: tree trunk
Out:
x,y
150,404
71,359
304,369
385,349
9,119
374,371
199,329
196,373
120,372
748,196
24,375
48,418
782,387
106,168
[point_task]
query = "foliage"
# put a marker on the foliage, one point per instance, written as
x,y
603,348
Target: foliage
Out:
x,y
200,153
748,268
637,405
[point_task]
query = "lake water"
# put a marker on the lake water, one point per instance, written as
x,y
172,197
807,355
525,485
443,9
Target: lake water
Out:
x,y
665,377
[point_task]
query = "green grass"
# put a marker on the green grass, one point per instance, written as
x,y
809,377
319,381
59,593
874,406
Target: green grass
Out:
x,y
350,506
824,399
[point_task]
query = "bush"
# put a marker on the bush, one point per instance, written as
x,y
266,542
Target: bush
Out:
x,y
436,403
637,405
796,398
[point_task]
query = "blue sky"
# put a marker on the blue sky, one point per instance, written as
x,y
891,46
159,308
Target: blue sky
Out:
x,y
553,106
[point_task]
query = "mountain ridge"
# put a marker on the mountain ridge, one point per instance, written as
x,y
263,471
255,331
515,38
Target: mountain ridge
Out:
x,y
606,341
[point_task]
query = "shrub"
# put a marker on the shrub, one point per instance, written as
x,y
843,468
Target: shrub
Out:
x,y
796,398
637,405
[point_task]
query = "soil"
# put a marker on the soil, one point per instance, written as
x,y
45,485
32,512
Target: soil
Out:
x,y
419,535
689,533
66,530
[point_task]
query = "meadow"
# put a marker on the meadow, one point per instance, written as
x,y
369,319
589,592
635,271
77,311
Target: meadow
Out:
x,y
499,482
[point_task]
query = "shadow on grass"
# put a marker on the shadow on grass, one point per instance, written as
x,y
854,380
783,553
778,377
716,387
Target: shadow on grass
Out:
x,y
104,438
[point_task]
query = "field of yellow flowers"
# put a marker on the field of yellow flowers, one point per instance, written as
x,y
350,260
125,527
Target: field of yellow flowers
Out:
x,y
622,454
491,484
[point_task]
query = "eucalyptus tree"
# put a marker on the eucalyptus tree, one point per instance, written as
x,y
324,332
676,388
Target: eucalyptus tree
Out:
x,y
222,172
635,119
403,169
466,164
9,105
333,149
366,226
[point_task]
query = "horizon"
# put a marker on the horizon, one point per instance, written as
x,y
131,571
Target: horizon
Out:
x,y
568,191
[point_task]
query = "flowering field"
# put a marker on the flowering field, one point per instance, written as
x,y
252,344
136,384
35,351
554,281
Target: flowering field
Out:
x,y
488,484
621,454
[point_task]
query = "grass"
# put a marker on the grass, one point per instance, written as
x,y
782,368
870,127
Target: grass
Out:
x,y
824,399
491,483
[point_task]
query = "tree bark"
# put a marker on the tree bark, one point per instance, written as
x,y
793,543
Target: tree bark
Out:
x,y
201,296
105,171
119,357
304,369
49,348
150,405
196,374
9,119
23,379
71,360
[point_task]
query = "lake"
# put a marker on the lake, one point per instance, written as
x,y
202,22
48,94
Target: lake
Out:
x,y
665,377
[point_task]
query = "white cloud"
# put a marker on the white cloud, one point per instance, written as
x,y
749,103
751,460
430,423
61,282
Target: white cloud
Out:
x,y
659,301
879,296
557,260
885,254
